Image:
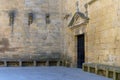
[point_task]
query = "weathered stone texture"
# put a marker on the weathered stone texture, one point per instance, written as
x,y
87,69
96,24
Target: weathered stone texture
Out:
x,y
102,33
102,25
38,39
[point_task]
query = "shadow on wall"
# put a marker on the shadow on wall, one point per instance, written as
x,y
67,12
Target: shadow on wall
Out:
x,y
38,56
67,60
46,56
4,46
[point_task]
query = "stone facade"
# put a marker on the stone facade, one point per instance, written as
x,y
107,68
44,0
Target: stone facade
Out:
x,y
101,32
47,33
38,40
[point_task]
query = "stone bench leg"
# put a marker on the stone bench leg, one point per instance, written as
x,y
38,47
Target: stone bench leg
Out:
x,y
88,68
20,63
58,63
5,63
47,63
96,70
114,75
34,63
107,73
83,67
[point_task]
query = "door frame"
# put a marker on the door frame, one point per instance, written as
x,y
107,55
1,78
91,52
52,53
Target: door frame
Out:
x,y
75,48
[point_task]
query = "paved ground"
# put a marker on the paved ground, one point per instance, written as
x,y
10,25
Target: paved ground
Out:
x,y
46,73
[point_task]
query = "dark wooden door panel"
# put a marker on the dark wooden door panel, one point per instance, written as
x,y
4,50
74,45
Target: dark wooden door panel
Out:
x,y
80,50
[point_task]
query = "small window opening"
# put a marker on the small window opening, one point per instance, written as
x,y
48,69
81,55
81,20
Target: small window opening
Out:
x,y
47,18
30,18
11,18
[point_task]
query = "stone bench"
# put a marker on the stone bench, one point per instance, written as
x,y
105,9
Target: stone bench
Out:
x,y
27,63
101,69
104,70
116,73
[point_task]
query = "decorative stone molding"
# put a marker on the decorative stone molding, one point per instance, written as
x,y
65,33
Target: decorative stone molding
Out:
x,y
78,20
91,2
78,23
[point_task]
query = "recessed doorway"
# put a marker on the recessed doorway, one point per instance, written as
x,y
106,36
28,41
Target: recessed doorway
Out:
x,y
80,50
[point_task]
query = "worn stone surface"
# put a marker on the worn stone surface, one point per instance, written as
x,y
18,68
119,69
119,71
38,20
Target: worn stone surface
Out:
x,y
38,39
41,40
101,33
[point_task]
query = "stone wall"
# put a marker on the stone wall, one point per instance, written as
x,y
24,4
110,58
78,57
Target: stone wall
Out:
x,y
70,42
102,27
101,33
41,40
35,41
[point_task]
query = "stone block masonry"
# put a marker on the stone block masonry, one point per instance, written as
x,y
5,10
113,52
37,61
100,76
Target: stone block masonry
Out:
x,y
35,41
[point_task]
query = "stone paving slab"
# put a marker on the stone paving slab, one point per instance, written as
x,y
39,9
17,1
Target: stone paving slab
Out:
x,y
46,73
